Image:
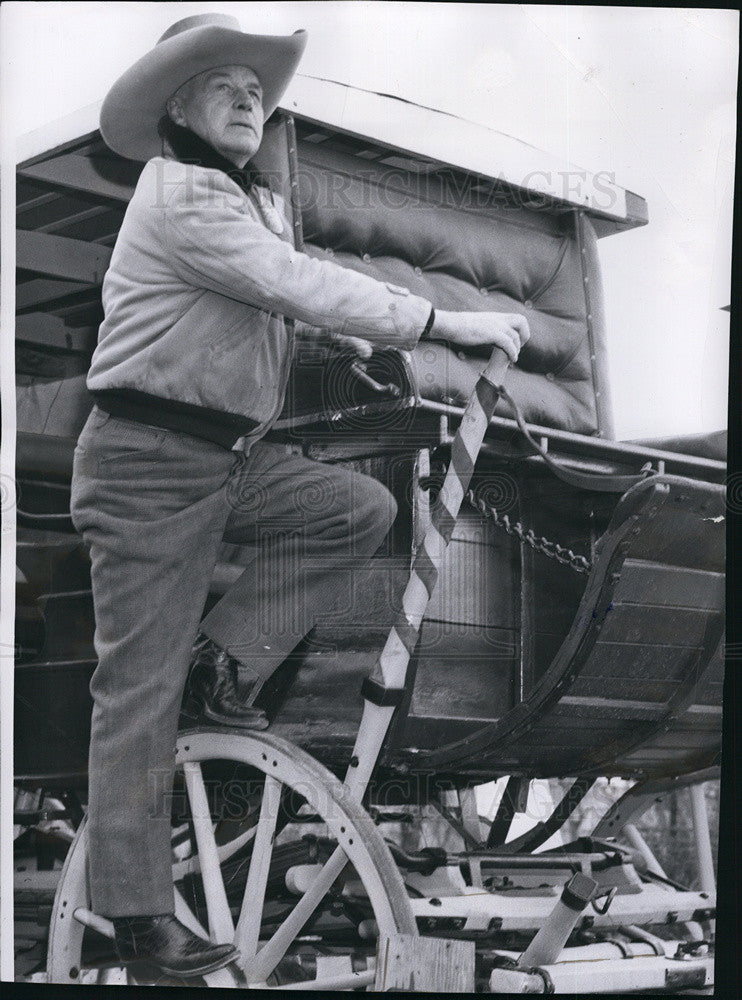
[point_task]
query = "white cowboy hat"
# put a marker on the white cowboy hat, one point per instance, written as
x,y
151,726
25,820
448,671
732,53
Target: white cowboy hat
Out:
x,y
136,102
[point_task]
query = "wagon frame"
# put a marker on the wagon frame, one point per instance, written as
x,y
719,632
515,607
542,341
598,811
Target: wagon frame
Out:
x,y
645,519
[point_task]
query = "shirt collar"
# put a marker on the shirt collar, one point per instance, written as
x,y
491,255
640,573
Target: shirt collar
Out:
x,y
191,148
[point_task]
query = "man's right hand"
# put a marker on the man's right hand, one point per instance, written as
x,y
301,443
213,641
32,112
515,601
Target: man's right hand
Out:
x,y
508,331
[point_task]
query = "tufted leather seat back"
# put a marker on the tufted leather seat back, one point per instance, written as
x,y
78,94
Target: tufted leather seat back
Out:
x,y
466,245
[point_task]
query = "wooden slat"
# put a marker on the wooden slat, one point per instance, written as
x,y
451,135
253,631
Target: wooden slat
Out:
x,y
648,756
88,313
696,728
58,206
35,202
654,584
685,738
685,539
107,239
82,143
625,664
60,257
42,291
71,220
653,625
45,330
46,364
651,690
422,965
590,727
710,693
83,173
598,707
543,740
102,229
705,710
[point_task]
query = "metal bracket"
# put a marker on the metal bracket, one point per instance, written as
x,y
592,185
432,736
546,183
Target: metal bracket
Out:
x,y
378,694
604,907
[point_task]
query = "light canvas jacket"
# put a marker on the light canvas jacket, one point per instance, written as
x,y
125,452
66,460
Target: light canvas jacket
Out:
x,y
196,296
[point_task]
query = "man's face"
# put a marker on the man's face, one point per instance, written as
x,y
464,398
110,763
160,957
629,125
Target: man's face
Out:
x,y
223,106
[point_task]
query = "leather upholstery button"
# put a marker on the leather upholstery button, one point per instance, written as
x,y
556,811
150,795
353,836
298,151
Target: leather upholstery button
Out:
x,y
329,251
367,258
392,306
418,270
550,376
483,291
528,304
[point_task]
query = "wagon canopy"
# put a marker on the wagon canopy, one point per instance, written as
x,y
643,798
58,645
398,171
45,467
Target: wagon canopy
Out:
x,y
464,215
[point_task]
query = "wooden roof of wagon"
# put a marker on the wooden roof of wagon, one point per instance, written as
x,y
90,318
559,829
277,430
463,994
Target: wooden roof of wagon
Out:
x,y
383,128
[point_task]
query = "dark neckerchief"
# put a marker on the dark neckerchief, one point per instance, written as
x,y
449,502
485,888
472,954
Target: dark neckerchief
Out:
x,y
191,148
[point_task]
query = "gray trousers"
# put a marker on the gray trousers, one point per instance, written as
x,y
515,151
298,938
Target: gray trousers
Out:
x,y
154,507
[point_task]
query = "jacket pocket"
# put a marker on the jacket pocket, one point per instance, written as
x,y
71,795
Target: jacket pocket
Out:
x,y
241,367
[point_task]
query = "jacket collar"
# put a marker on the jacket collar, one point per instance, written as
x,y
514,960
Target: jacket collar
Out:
x,y
191,148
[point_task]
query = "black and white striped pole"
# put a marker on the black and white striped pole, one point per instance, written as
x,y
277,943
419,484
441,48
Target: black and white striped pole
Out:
x,y
384,688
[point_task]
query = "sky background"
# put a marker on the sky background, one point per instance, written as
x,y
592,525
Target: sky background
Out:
x,y
648,94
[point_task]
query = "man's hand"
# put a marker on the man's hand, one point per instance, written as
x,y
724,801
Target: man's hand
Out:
x,y
362,347
508,331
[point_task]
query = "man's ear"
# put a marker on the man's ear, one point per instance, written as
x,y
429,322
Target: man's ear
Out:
x,y
175,111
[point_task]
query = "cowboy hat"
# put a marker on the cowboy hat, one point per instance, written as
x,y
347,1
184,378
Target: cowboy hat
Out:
x,y
136,102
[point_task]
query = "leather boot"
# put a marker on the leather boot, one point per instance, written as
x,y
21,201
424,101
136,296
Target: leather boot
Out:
x,y
161,944
214,686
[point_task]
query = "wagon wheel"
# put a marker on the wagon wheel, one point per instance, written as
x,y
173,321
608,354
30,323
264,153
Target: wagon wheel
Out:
x,y
244,868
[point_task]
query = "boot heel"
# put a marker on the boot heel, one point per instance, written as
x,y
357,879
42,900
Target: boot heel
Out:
x,y
145,973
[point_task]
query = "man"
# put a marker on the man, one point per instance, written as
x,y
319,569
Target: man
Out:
x,y
189,374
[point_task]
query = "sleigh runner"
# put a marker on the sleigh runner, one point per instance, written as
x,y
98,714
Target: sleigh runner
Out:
x,y
551,600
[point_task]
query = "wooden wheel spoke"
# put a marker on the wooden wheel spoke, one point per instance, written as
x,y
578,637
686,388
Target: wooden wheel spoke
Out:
x,y
220,917
220,978
87,918
273,951
187,917
192,866
248,925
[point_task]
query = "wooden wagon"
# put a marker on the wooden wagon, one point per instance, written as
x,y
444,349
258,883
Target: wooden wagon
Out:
x,y
574,629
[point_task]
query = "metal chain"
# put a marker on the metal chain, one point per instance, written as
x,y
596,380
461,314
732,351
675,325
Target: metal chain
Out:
x,y
552,550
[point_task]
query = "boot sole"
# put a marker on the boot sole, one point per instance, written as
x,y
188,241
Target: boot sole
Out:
x,y
142,969
259,722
